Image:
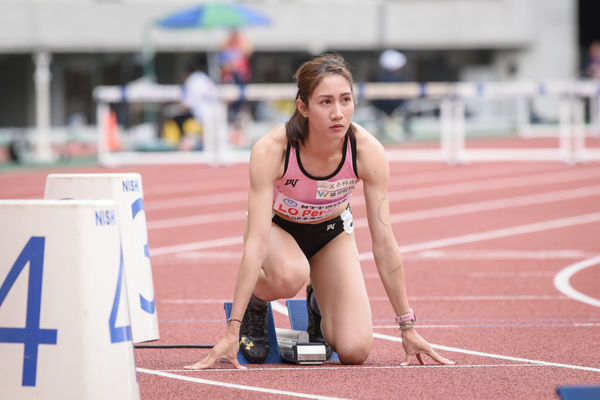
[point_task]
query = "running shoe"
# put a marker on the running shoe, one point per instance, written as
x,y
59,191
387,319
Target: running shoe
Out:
x,y
314,323
254,337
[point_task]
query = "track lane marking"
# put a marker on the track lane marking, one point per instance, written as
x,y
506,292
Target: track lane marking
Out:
x,y
397,195
496,233
234,385
492,355
562,284
433,244
308,368
439,212
411,298
280,308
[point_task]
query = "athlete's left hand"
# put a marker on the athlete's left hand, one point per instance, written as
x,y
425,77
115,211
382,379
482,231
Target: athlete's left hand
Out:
x,y
415,345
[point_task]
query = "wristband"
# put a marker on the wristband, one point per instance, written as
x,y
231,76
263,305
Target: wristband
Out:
x,y
233,319
406,317
407,325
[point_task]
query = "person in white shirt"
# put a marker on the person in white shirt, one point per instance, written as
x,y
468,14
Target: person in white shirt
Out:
x,y
201,95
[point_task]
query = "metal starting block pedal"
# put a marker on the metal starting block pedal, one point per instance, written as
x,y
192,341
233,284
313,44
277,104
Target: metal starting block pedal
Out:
x,y
299,319
295,348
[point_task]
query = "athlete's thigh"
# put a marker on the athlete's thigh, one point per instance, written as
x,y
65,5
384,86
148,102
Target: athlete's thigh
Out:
x,y
285,269
340,290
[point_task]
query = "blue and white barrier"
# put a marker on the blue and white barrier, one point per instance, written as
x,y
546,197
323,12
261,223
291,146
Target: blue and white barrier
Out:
x,y
452,99
64,318
126,190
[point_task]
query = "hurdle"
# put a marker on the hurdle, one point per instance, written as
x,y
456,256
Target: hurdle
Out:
x,y
126,190
64,319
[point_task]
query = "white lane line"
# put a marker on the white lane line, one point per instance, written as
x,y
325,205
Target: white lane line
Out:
x,y
469,238
510,275
490,205
234,385
466,208
503,254
194,301
497,233
281,308
492,355
197,201
199,219
525,297
493,184
398,195
561,281
444,255
308,368
205,244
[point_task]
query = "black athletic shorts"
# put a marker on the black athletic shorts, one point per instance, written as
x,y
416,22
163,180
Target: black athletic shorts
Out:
x,y
313,237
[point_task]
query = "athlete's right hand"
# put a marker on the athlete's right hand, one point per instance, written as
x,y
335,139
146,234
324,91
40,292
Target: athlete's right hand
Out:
x,y
226,349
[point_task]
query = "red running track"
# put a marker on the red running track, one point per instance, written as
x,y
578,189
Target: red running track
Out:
x,y
503,270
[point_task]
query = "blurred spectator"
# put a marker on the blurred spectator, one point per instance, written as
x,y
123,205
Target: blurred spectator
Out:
x,y
201,96
592,65
391,63
234,61
234,58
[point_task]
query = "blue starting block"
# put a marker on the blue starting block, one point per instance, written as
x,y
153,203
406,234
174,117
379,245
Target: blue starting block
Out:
x,y
578,392
298,321
299,318
274,356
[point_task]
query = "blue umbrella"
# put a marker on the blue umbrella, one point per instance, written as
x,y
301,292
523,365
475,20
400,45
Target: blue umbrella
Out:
x,y
214,15
205,16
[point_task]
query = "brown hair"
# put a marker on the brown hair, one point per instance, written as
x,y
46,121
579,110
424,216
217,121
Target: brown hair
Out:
x,y
308,77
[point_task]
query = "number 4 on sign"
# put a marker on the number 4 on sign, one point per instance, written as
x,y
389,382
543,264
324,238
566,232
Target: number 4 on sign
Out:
x,y
31,336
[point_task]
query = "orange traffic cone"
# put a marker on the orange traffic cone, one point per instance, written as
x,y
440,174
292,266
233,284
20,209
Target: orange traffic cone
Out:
x,y
111,132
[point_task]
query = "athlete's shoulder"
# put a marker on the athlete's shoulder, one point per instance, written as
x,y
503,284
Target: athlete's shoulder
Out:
x,y
365,141
269,151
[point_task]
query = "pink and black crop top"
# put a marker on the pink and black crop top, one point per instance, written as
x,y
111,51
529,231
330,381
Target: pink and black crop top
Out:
x,y
305,198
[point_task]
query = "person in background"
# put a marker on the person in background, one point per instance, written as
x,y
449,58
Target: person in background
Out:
x,y
391,70
234,61
202,96
391,63
234,58
592,65
300,228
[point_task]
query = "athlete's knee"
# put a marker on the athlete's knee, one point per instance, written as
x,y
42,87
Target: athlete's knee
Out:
x,y
291,277
354,351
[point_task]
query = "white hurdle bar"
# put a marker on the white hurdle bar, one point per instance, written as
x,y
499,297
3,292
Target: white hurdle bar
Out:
x,y
452,123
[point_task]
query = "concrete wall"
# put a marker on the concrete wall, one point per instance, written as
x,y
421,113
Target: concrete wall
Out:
x,y
539,31
527,39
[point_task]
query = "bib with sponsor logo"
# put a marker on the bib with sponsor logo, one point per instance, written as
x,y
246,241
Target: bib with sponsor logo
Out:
x,y
306,198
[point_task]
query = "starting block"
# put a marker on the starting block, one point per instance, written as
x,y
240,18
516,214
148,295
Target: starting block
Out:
x,y
126,190
64,318
299,318
274,355
296,349
583,392
289,345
